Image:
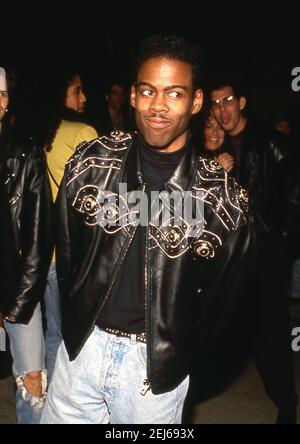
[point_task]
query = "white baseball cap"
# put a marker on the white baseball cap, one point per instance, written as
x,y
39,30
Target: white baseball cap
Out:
x,y
3,85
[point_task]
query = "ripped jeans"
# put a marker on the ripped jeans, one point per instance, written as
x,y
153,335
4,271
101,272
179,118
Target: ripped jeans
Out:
x,y
28,352
30,348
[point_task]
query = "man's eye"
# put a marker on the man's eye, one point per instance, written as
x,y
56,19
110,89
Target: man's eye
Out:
x,y
147,92
3,93
175,95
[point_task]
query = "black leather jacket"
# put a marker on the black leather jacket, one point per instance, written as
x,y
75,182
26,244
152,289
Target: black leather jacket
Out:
x,y
192,283
25,227
268,174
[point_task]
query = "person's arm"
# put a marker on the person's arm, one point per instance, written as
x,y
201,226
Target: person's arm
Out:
x,y
67,237
225,279
36,241
86,133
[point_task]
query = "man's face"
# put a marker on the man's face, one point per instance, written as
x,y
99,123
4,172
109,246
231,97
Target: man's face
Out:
x,y
75,98
227,109
3,103
116,97
164,102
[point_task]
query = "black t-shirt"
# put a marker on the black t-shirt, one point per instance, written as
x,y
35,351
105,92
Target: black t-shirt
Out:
x,y
125,307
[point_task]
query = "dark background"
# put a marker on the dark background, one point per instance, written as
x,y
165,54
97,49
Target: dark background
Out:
x,y
262,46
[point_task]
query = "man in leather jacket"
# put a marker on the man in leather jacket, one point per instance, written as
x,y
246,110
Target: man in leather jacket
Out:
x,y
140,300
25,239
274,199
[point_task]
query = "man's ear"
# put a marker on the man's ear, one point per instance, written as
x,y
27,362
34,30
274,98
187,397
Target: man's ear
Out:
x,y
197,101
242,102
133,96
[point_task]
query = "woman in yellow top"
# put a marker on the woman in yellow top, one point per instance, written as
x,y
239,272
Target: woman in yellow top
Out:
x,y
65,132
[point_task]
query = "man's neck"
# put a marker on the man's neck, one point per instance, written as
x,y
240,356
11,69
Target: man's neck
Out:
x,y
114,113
239,128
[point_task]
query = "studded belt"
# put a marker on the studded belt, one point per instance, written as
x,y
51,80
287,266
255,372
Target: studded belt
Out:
x,y
140,337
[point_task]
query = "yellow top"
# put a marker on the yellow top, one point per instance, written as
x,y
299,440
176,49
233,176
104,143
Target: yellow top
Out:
x,y
68,136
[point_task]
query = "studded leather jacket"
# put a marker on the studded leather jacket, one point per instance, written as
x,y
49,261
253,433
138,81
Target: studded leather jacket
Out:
x,y
25,228
193,271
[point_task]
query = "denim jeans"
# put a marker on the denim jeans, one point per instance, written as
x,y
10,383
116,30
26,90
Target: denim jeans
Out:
x,y
31,351
103,384
53,335
28,352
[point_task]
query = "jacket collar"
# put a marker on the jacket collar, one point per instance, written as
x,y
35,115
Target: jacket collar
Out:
x,y
181,179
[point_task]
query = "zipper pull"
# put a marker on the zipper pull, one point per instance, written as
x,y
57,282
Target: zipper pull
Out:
x,y
9,177
146,387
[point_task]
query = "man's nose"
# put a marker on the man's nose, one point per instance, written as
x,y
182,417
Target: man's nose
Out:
x,y
158,103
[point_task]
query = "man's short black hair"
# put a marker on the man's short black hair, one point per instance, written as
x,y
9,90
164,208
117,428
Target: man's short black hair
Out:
x,y
236,82
171,47
113,82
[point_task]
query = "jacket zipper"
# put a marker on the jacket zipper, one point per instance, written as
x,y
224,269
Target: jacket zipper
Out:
x,y
116,272
147,384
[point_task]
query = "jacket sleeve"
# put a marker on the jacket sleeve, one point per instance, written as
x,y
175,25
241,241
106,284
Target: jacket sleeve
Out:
x,y
36,240
67,236
62,238
226,288
224,283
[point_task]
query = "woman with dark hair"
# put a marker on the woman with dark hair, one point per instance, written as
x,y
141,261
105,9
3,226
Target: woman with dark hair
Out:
x,y
213,143
25,239
64,130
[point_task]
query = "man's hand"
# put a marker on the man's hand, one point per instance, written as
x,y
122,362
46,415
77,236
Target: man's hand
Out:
x,y
226,160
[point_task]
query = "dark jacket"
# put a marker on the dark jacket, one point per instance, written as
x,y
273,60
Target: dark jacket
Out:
x,y
192,283
269,176
25,227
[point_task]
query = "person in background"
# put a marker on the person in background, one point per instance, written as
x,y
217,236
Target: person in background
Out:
x,y
64,130
213,143
112,116
26,245
275,208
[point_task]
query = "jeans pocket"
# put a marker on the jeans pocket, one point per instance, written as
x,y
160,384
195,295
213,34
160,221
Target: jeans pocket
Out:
x,y
142,353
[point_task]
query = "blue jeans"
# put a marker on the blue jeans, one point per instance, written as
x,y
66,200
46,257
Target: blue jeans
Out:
x,y
53,335
30,350
102,385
